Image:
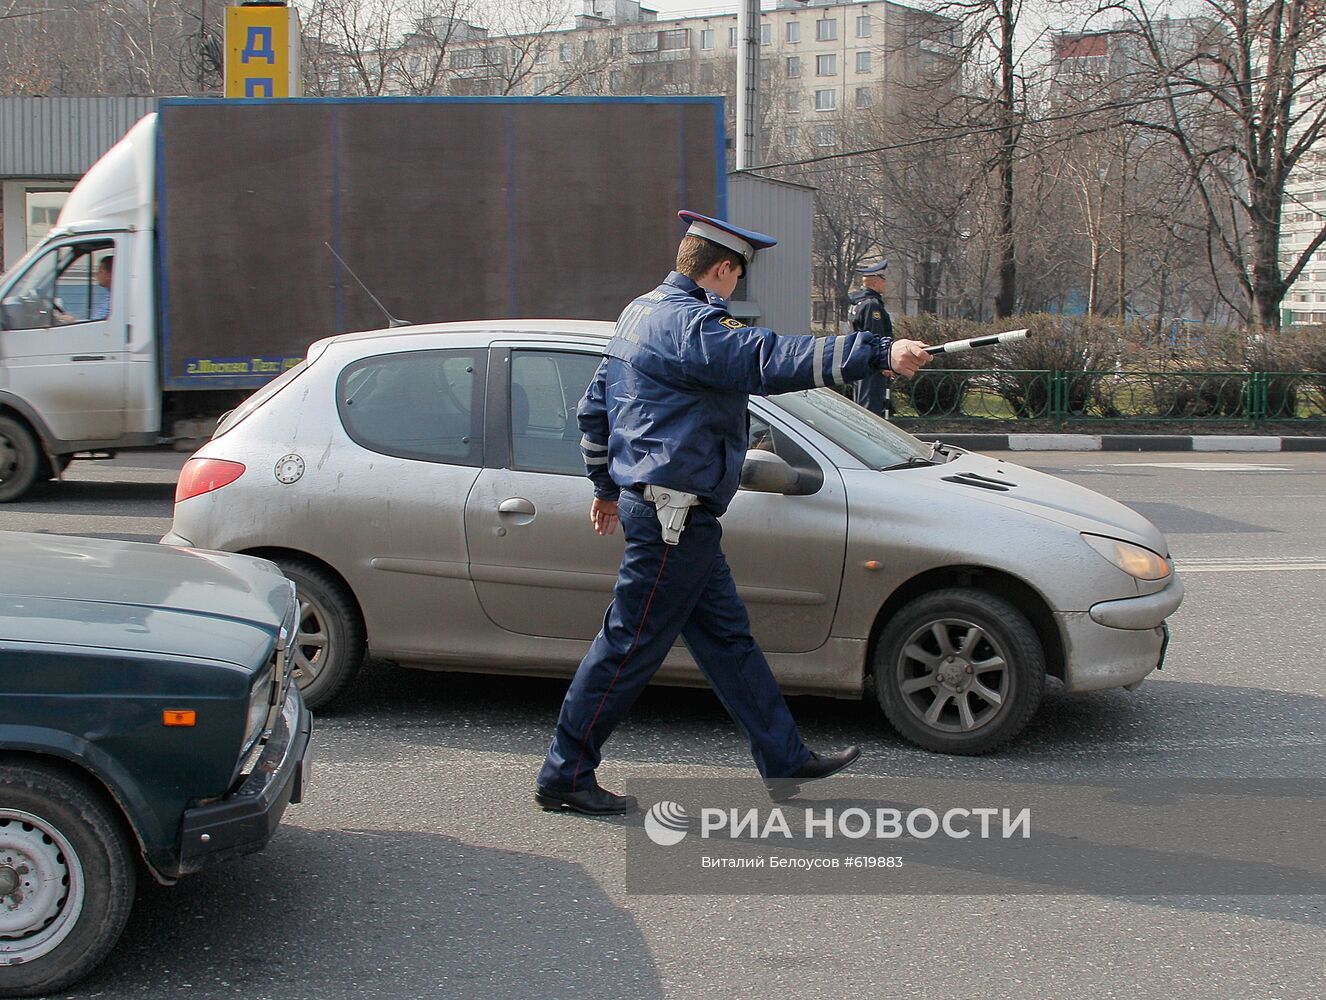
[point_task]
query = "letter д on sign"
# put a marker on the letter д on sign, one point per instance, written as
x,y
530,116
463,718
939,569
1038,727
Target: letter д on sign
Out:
x,y
262,52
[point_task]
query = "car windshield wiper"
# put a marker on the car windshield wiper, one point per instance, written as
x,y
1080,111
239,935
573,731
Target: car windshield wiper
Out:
x,y
911,463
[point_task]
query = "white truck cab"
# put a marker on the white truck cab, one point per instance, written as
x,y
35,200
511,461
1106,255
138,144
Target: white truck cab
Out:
x,y
78,359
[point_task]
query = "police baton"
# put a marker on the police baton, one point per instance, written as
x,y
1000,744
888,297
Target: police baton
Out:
x,y
958,346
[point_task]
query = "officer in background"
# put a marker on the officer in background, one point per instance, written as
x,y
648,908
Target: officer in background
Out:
x,y
664,435
868,315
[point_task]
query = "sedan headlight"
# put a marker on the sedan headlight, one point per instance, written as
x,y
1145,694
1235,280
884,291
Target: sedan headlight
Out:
x,y
260,703
1135,560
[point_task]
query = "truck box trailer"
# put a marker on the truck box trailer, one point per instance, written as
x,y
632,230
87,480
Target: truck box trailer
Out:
x,y
220,218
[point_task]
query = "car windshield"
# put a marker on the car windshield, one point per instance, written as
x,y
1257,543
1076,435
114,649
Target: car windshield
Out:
x,y
866,436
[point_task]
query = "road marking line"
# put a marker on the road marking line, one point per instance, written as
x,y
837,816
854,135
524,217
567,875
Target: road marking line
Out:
x,y
1207,466
1250,566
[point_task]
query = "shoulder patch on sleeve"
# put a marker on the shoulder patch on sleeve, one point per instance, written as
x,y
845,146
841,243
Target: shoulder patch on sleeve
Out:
x,y
732,324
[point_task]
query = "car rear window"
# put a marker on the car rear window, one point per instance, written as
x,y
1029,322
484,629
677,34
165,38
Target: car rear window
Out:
x,y
424,405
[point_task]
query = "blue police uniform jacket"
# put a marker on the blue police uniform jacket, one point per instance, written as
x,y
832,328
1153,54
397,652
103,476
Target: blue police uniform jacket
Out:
x,y
868,313
667,405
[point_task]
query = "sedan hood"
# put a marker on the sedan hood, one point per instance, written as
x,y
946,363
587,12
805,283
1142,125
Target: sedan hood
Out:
x,y
1017,488
138,575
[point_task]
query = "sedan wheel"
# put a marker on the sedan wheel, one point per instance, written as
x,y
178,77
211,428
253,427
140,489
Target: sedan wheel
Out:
x,y
959,671
66,880
328,648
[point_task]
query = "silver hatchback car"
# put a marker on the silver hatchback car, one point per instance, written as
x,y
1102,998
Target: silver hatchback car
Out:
x,y
424,488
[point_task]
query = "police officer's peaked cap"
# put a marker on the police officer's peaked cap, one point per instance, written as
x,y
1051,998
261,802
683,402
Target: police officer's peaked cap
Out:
x,y
879,267
743,241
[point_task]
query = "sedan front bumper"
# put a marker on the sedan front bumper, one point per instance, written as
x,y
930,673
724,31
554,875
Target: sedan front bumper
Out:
x,y
244,821
1117,643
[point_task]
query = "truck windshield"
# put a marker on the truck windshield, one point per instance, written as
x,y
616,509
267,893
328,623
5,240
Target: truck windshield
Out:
x,y
866,436
232,419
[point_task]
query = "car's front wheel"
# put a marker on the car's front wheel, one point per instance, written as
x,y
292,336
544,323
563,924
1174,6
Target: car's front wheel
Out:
x,y
21,462
959,671
67,879
329,646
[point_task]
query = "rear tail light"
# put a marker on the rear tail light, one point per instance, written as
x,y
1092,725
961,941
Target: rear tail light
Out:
x,y
203,475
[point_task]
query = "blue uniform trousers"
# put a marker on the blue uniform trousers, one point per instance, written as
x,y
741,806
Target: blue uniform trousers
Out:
x,y
664,591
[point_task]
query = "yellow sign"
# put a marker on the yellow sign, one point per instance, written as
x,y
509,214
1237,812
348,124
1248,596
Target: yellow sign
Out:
x,y
262,52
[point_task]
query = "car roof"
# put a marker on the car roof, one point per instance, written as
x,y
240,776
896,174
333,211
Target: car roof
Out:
x,y
486,330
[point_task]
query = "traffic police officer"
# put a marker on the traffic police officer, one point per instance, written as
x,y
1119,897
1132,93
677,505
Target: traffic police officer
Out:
x,y
868,315
664,434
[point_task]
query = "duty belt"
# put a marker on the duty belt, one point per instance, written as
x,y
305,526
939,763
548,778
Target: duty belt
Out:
x,y
671,506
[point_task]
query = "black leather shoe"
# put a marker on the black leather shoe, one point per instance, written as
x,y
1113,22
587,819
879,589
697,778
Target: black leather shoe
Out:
x,y
592,801
812,770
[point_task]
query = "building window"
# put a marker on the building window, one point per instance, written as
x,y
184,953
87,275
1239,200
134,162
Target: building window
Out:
x,y
642,41
678,38
826,100
793,102
766,33
707,75
863,26
863,62
591,48
826,135
863,97
826,30
792,137
794,31
826,65
564,52
706,38
793,66
731,38
542,57
540,84
615,46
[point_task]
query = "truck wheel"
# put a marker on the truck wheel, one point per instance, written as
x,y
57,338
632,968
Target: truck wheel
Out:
x,y
329,646
959,671
66,880
20,459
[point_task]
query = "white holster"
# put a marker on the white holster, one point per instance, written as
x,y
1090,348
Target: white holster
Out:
x,y
671,506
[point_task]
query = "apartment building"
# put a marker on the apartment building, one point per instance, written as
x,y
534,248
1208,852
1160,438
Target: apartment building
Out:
x,y
819,60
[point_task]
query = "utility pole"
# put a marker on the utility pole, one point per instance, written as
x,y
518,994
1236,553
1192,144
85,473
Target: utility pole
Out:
x,y
748,84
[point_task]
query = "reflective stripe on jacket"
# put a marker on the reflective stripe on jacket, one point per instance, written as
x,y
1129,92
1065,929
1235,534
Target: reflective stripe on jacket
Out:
x,y
667,405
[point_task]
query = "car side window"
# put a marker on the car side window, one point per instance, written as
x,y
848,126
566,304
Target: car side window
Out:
x,y
424,405
546,388
70,284
765,436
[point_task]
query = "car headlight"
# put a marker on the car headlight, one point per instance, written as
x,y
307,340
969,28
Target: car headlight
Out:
x,y
1135,560
260,703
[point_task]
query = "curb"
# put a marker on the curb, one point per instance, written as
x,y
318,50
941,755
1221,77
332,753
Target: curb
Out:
x,y
1127,442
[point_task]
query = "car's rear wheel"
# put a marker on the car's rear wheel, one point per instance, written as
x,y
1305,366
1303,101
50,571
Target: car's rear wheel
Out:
x,y
329,645
21,461
67,880
959,671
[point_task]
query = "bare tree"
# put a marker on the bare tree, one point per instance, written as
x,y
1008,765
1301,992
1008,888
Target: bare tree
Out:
x,y
1244,101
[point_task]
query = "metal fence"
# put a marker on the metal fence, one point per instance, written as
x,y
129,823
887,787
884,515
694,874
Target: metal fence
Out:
x,y
1066,397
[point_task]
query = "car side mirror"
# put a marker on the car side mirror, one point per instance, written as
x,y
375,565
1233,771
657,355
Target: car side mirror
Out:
x,y
765,472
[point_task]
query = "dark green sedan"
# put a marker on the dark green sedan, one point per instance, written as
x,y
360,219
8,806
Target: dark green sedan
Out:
x,y
147,711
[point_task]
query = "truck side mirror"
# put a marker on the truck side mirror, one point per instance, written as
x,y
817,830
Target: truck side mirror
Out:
x,y
765,472
24,314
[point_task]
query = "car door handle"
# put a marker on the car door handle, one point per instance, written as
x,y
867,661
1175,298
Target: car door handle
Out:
x,y
515,505
89,357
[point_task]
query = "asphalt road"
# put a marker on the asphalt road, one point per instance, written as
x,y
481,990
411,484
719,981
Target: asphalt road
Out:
x,y
420,868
